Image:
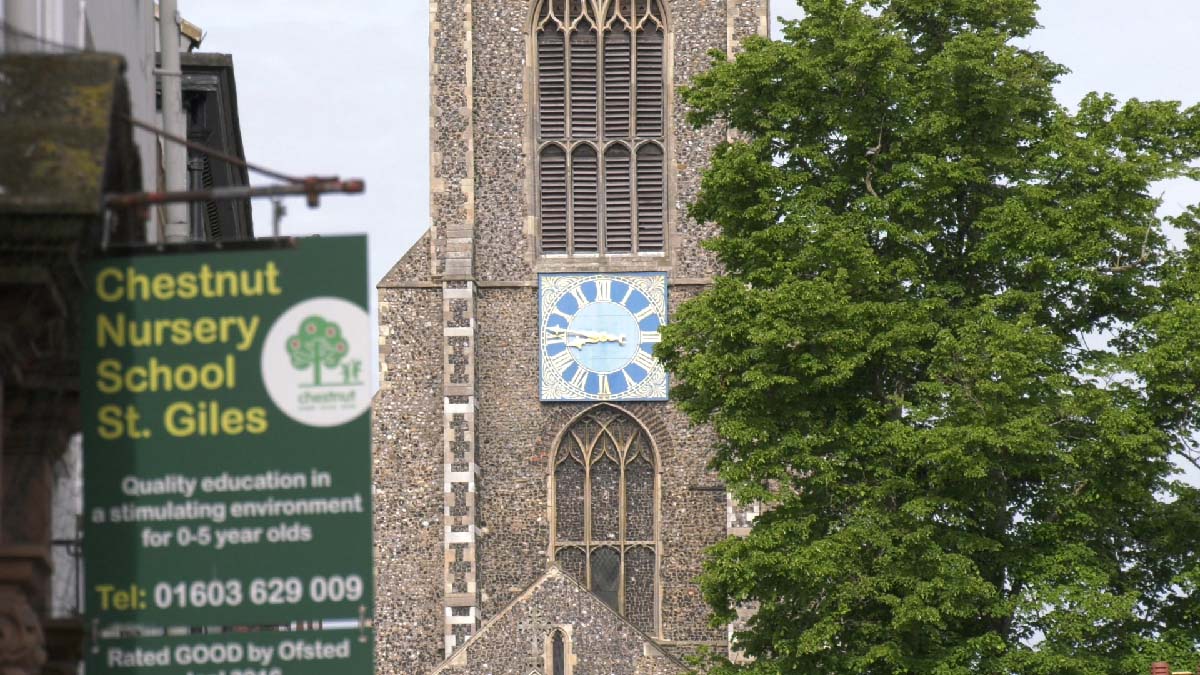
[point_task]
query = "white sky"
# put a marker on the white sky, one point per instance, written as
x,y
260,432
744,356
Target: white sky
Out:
x,y
327,87
342,88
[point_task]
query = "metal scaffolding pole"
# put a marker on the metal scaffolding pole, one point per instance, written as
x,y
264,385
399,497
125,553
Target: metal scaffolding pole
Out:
x,y
311,188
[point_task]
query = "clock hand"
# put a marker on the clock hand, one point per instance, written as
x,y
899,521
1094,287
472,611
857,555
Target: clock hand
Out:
x,y
586,336
598,336
566,336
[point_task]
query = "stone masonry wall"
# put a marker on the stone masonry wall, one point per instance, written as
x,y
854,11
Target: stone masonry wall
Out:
x,y
407,417
480,158
512,495
505,231
600,643
501,119
748,18
696,28
515,433
450,161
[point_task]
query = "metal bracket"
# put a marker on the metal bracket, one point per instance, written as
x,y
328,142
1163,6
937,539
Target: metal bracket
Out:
x,y
364,623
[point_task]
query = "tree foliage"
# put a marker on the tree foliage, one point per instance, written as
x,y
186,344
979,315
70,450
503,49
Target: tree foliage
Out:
x,y
953,351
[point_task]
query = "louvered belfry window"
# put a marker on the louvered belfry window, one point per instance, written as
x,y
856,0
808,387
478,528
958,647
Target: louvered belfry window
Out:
x,y
601,115
605,501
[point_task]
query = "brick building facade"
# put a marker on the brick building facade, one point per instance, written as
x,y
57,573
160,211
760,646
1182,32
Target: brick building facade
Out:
x,y
472,462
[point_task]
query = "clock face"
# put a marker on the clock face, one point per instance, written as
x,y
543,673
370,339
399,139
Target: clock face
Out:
x,y
597,334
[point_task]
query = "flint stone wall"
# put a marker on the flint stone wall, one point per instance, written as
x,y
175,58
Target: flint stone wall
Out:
x,y
515,440
505,230
601,643
481,161
407,418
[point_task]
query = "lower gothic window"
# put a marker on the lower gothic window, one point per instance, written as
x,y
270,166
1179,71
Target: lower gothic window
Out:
x,y
558,653
604,511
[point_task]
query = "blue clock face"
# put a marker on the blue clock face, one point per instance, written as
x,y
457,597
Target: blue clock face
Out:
x,y
598,333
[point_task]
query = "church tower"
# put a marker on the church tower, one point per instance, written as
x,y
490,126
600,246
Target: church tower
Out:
x,y
540,506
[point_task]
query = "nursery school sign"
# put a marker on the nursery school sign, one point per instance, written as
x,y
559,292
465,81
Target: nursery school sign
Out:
x,y
227,457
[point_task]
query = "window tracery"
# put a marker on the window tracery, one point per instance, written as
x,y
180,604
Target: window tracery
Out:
x,y
605,503
600,120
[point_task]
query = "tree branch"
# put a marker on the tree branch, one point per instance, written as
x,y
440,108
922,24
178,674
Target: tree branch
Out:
x,y
1141,260
872,153
1187,451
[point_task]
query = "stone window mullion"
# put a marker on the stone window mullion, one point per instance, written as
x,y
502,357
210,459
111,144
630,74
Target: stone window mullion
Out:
x,y
601,214
623,569
568,134
633,208
587,512
635,245
642,120
631,27
568,131
570,176
621,526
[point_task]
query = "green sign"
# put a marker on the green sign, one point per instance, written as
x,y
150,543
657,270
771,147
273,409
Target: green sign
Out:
x,y
227,471
238,653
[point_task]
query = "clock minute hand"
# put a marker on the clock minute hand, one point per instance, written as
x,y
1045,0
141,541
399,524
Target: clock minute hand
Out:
x,y
566,336
586,337
599,336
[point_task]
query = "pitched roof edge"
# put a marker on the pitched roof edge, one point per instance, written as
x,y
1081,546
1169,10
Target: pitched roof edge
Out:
x,y
645,636
550,573
396,276
553,572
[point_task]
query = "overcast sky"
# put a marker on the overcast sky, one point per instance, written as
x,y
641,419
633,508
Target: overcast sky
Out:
x,y
342,88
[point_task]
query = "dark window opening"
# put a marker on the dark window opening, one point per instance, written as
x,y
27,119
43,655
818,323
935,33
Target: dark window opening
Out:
x,y
558,654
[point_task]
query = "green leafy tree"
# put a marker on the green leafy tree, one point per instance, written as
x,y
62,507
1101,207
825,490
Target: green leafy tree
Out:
x,y
317,343
953,351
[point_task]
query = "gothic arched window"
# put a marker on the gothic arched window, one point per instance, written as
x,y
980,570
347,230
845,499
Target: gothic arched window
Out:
x,y
600,126
605,502
557,663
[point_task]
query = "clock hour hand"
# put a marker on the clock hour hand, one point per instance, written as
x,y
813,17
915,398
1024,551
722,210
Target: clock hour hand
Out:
x,y
599,336
583,337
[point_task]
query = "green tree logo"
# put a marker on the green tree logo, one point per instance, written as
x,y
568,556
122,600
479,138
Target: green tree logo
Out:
x,y
319,343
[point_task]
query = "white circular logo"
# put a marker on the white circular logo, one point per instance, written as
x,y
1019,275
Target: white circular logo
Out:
x,y
314,362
